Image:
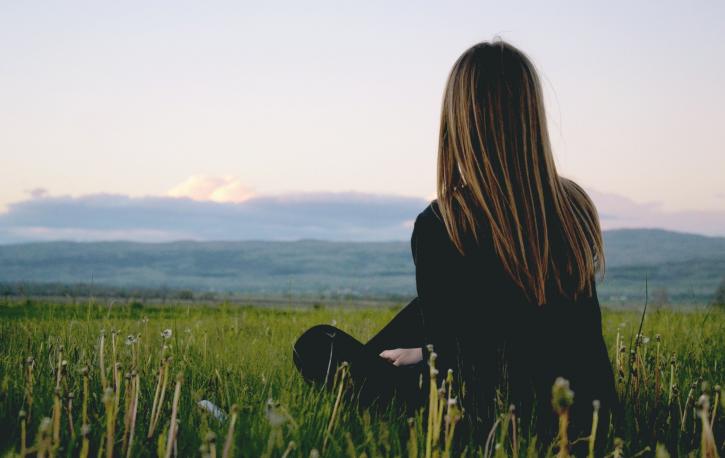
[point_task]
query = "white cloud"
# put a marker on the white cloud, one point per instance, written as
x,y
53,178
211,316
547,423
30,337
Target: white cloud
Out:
x,y
211,188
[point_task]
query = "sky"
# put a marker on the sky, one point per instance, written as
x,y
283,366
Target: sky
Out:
x,y
128,104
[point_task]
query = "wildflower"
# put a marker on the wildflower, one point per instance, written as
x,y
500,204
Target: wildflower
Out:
x,y
214,410
131,339
275,415
166,333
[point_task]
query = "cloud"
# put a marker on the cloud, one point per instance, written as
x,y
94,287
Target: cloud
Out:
x,y
617,212
325,216
37,193
215,189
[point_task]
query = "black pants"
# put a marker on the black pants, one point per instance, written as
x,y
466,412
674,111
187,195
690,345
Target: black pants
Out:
x,y
321,349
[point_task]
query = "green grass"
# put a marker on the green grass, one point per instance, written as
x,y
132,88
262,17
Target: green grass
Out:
x,y
242,355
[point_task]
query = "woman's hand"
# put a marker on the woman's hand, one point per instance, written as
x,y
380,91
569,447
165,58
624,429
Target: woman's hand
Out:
x,y
403,356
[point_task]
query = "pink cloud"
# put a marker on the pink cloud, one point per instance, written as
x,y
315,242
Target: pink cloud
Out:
x,y
617,212
211,188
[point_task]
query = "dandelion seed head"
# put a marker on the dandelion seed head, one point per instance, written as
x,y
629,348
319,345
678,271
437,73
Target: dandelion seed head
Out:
x,y
45,425
561,395
274,415
703,404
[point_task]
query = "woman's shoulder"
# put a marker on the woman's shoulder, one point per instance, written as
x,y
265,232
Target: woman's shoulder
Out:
x,y
430,220
430,214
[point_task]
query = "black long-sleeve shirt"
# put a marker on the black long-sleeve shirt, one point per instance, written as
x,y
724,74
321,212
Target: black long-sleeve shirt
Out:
x,y
482,326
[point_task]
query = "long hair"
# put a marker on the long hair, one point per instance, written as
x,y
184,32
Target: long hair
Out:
x,y
496,170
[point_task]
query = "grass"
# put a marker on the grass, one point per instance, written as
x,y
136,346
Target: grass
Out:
x,y
239,359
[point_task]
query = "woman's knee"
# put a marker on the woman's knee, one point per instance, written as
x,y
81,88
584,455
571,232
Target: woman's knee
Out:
x,y
312,351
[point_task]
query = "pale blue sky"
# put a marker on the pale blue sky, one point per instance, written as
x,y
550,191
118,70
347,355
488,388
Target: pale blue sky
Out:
x,y
134,98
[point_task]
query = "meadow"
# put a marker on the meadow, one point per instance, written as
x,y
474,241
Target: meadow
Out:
x,y
111,379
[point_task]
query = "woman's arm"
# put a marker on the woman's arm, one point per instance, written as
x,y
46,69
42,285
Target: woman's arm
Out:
x,y
405,330
438,283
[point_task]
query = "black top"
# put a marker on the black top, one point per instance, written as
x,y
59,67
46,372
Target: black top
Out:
x,y
482,326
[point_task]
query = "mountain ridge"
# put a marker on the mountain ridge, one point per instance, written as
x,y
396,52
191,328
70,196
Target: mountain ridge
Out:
x,y
680,267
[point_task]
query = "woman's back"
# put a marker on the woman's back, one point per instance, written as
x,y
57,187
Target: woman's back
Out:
x,y
484,328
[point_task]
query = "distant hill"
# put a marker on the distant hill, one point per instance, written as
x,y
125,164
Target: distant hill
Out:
x,y
682,268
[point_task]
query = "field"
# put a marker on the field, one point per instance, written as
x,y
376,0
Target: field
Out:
x,y
239,359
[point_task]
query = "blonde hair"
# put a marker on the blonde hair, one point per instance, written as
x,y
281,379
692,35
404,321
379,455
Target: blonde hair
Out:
x,y
495,166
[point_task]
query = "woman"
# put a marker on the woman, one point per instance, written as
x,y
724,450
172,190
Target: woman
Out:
x,y
505,265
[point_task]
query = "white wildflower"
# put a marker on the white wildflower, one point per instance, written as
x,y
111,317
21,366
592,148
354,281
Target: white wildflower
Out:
x,y
275,415
215,411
